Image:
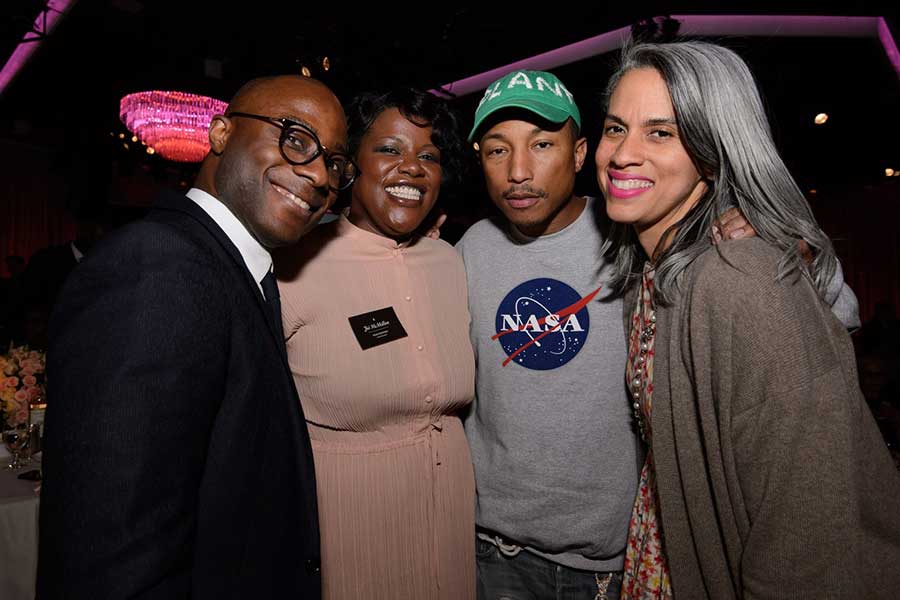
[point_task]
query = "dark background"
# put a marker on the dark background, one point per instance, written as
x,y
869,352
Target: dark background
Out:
x,y
59,124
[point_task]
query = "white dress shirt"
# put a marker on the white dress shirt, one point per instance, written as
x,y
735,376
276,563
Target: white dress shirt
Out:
x,y
256,257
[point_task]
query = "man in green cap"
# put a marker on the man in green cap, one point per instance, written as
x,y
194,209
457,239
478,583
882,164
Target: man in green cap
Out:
x,y
556,460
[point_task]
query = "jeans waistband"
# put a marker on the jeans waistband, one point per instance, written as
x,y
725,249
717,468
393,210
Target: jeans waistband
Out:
x,y
511,548
506,547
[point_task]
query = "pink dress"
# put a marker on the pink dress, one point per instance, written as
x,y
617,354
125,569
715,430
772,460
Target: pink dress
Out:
x,y
395,482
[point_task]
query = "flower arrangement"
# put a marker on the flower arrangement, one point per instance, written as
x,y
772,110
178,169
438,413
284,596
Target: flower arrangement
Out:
x,y
22,378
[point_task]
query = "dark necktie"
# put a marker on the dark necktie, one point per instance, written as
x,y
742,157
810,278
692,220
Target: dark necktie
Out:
x,y
273,301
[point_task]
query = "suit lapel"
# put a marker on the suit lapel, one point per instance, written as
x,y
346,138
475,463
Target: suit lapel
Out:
x,y
183,204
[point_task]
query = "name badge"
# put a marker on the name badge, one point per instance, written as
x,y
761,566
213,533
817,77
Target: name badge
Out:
x,y
377,327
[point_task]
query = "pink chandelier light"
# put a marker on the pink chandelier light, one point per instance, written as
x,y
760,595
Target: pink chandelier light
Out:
x,y
174,124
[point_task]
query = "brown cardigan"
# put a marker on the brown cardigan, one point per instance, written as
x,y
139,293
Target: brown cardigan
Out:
x,y
773,479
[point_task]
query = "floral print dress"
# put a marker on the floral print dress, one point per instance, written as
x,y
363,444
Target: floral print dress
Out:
x,y
646,574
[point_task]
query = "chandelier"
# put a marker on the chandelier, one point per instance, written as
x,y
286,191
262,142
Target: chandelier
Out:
x,y
174,124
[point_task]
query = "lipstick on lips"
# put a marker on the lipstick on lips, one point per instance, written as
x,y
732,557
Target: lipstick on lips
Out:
x,y
627,185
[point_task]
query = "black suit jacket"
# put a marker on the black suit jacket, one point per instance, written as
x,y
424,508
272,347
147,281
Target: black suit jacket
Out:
x,y
176,460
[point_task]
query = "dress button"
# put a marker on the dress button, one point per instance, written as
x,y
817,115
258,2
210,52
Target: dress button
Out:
x,y
408,298
420,347
428,399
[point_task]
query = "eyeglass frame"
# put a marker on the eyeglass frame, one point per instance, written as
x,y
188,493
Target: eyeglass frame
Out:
x,y
286,125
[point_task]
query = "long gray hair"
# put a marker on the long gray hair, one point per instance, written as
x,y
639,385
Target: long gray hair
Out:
x,y
724,129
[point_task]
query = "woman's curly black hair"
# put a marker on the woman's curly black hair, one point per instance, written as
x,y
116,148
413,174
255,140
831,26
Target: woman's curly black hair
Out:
x,y
419,107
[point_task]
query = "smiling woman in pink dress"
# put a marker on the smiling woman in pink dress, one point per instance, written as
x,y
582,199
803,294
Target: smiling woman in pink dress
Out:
x,y
377,329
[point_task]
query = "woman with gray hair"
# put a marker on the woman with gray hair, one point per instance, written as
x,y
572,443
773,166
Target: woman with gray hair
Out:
x,y
765,473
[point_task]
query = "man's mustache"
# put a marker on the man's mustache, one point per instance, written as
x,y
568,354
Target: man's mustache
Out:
x,y
524,189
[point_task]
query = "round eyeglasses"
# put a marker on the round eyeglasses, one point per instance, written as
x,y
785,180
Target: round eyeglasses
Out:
x,y
300,146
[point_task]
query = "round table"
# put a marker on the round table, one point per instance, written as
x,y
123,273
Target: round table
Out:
x,y
18,533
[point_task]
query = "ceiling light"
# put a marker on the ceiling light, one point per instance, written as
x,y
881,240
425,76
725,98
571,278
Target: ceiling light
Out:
x,y
175,124
821,118
326,64
889,172
306,72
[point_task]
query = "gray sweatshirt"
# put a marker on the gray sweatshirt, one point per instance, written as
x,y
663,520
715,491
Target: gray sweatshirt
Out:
x,y
556,458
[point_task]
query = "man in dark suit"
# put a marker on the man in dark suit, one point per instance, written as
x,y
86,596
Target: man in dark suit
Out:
x,y
49,267
176,461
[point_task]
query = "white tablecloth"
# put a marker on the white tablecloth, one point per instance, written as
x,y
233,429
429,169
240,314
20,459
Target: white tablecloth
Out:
x,y
18,534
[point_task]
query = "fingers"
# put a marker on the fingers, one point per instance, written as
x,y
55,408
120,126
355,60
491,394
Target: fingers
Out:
x,y
737,233
805,252
435,231
731,225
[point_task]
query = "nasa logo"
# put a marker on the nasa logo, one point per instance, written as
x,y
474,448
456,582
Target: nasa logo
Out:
x,y
542,324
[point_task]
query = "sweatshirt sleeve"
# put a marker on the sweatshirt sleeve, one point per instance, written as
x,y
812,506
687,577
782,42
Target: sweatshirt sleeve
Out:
x,y
842,300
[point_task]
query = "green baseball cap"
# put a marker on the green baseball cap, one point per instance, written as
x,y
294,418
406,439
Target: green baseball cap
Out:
x,y
536,91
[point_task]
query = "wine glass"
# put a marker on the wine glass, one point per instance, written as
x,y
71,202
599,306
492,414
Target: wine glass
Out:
x,y
16,440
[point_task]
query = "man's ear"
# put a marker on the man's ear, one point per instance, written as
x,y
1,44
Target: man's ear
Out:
x,y
580,153
219,131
